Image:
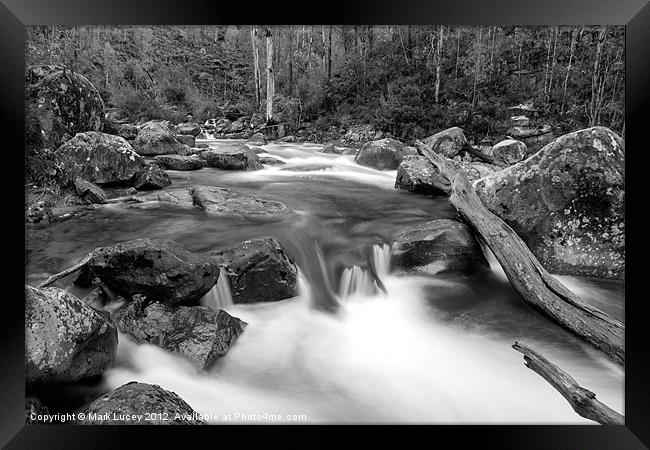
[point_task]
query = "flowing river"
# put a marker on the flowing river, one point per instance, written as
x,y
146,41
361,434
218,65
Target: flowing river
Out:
x,y
432,349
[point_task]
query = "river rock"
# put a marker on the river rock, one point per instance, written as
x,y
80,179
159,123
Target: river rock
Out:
x,y
257,139
235,157
475,170
159,269
358,134
151,177
290,139
236,127
567,202
510,151
99,158
140,400
89,192
223,202
198,333
33,409
127,131
534,137
177,162
384,154
156,138
61,104
191,128
416,174
259,270
65,339
186,139
438,246
270,160
448,142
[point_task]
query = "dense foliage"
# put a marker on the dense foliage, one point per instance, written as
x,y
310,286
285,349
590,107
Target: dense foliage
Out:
x,y
406,80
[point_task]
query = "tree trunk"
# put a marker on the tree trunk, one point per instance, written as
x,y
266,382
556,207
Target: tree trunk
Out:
x,y
438,64
256,66
329,54
290,60
593,106
582,400
270,77
574,33
536,286
477,66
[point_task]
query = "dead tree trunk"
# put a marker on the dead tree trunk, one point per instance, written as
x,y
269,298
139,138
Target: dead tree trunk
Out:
x,y
256,65
582,400
270,77
536,286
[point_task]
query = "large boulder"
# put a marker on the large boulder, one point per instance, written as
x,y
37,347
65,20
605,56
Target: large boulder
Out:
x,y
65,339
151,177
223,202
567,202
186,139
128,131
59,104
237,126
438,246
198,333
259,270
140,404
159,269
156,138
384,154
191,128
89,192
98,158
448,142
416,174
257,139
234,157
510,151
475,170
178,162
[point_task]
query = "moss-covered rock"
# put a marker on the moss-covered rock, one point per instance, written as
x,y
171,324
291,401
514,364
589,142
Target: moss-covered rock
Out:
x,y
61,104
567,202
65,339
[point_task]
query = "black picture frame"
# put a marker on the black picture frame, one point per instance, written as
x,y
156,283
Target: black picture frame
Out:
x,y
16,14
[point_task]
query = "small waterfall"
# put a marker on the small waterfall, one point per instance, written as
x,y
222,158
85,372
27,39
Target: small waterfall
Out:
x,y
219,297
356,280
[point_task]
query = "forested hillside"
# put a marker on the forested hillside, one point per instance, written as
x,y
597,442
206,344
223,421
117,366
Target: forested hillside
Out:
x,y
408,81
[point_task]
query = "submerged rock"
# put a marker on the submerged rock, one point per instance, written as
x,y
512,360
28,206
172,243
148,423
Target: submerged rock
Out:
x,y
65,339
259,270
99,158
89,192
61,104
151,177
567,202
218,201
416,174
198,333
385,154
151,403
270,160
178,162
156,138
235,157
438,246
510,151
448,142
159,269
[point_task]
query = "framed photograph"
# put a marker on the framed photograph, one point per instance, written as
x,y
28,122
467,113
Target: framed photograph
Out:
x,y
379,215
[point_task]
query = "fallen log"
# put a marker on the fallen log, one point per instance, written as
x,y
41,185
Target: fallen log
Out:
x,y
66,272
582,400
479,154
534,284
